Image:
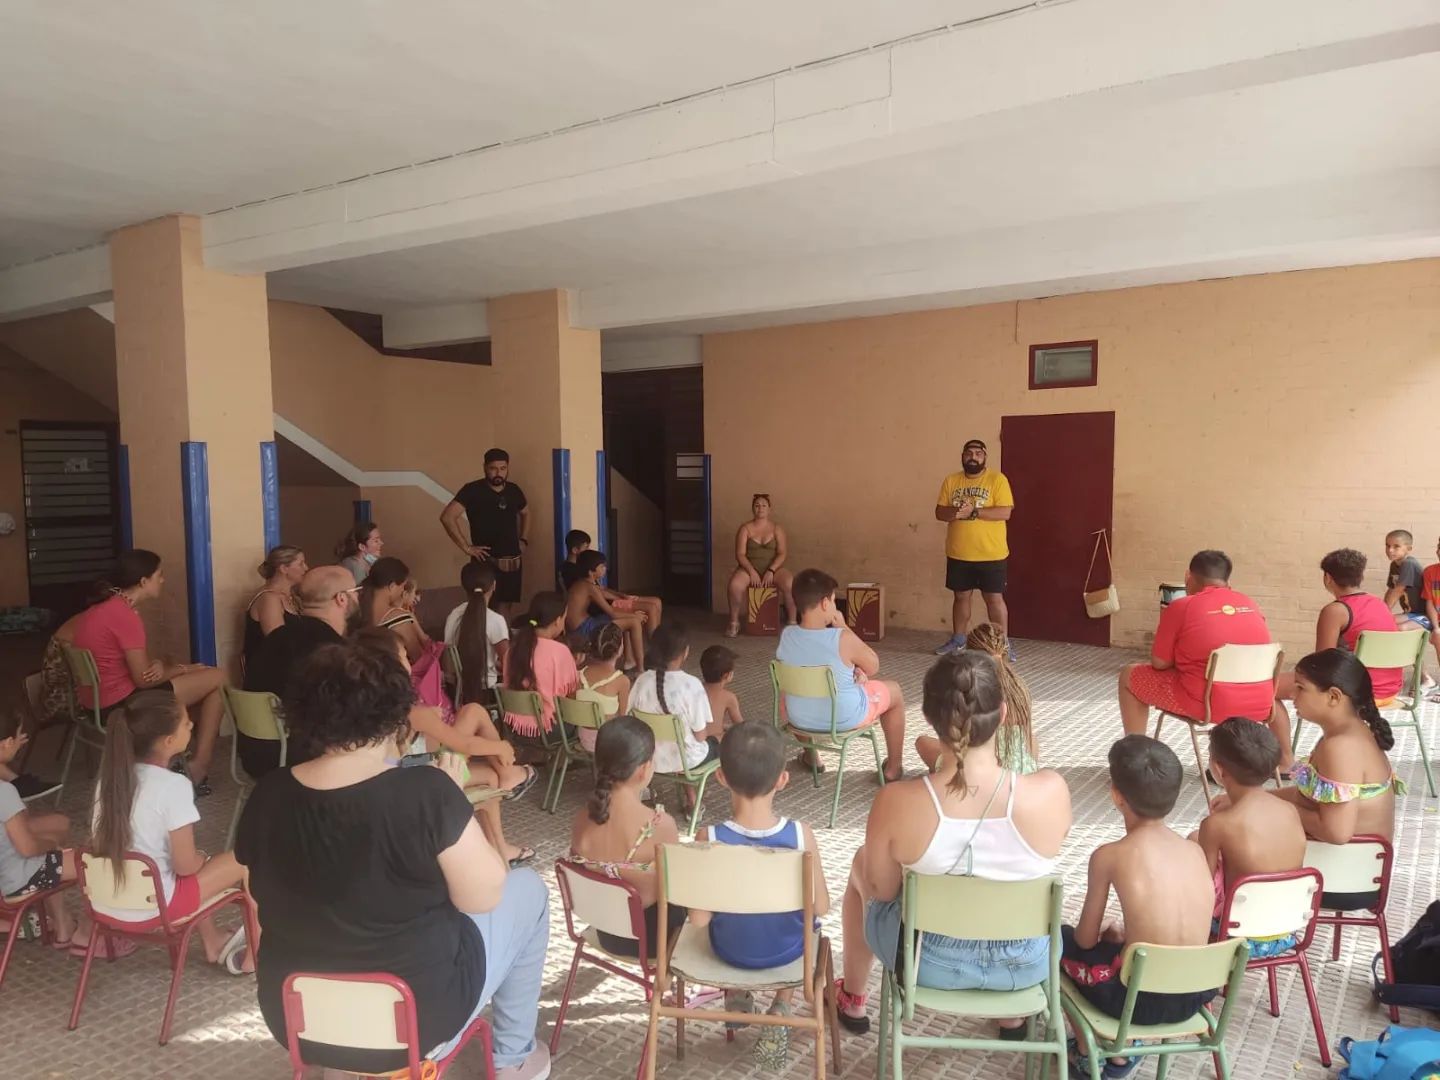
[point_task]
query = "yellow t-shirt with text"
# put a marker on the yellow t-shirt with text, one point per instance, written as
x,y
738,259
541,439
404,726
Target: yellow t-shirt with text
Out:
x,y
976,541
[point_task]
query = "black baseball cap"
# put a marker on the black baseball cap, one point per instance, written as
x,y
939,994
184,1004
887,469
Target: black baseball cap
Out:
x,y
975,443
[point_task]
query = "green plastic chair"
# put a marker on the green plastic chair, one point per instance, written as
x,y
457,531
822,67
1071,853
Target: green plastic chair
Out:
x,y
256,715
559,750
667,729
454,670
1163,969
580,713
1396,649
819,682
81,665
974,909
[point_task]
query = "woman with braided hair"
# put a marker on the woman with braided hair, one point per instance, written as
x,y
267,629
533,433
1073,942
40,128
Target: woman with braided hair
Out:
x,y
1015,738
618,834
1346,787
971,816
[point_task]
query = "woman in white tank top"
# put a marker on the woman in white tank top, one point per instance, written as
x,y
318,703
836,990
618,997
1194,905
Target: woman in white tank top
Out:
x,y
971,817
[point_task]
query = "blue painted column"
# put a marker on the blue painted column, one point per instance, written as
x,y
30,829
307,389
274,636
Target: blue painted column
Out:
x,y
362,511
200,577
270,494
602,504
560,468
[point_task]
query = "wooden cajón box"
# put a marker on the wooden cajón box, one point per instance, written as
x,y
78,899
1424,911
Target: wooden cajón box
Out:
x,y
762,610
865,609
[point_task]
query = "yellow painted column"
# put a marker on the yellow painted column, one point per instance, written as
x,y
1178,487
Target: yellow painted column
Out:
x,y
192,353
547,398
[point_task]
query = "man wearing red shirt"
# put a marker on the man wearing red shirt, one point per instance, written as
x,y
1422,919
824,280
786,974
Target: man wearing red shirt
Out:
x,y
1191,628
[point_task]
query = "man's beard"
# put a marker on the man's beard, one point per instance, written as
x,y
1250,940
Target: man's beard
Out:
x,y
497,481
973,468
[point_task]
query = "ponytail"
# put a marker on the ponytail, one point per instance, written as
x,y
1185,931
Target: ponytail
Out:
x,y
987,638
277,558
131,732
545,608
622,745
385,573
1337,669
963,703
473,640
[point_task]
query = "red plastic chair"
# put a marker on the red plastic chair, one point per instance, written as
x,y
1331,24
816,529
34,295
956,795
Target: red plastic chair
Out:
x,y
603,904
1361,866
15,908
367,1011
139,892
1267,906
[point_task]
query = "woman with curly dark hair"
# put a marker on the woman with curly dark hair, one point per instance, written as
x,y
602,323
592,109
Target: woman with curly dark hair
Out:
x,y
359,865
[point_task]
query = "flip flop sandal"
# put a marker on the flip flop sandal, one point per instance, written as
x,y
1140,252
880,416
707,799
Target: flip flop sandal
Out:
x,y
123,946
234,944
732,630
525,785
63,946
235,962
526,854
801,765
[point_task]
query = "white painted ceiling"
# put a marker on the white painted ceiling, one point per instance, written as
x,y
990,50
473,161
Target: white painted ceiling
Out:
x,y
113,113
1344,124
1070,144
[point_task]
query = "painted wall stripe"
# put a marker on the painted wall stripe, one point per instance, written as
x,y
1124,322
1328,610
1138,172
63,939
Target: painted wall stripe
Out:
x,y
356,475
560,467
195,496
270,493
127,522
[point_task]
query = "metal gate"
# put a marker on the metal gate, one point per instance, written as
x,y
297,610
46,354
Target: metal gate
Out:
x,y
72,511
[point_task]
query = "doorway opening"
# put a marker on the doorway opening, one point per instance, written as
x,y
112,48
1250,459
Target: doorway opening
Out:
x,y
654,427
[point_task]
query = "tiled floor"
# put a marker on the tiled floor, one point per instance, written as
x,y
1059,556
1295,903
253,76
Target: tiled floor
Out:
x,y
218,1031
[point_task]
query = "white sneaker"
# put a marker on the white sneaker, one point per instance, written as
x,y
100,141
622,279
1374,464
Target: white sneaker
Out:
x,y
534,1067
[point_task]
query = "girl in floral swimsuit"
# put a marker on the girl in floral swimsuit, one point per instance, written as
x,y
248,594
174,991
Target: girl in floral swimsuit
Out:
x,y
617,834
1346,788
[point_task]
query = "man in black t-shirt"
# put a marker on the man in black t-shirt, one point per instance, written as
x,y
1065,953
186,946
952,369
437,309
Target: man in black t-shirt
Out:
x,y
328,604
499,518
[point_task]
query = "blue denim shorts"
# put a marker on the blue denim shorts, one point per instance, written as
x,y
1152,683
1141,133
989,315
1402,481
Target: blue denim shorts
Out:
x,y
1422,621
948,963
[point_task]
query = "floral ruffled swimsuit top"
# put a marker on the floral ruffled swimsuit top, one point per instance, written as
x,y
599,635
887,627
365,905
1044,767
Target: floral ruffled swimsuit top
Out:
x,y
1321,789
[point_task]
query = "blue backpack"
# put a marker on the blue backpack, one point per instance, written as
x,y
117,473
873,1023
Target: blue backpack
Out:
x,y
1400,1053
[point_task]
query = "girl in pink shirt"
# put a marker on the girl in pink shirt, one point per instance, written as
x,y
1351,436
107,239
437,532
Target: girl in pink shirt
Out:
x,y
539,660
113,633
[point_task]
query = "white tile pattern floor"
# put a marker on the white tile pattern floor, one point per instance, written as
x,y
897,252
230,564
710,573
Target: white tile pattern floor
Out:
x,y
219,1033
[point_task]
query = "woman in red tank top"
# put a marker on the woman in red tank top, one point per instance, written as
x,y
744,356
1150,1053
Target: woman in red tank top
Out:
x,y
1352,612
1341,621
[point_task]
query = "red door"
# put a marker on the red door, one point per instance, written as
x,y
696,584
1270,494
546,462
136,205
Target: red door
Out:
x,y
1062,472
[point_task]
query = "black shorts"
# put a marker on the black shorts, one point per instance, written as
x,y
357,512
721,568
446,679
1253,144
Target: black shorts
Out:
x,y
507,583
988,577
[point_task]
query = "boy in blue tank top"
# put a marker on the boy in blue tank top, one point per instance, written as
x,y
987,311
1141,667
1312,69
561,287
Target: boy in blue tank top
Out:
x,y
752,768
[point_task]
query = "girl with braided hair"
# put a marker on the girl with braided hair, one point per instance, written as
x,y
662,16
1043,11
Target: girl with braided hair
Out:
x,y
971,816
1347,786
618,834
1015,738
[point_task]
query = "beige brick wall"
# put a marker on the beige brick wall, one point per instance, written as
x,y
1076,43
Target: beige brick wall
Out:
x,y
1276,416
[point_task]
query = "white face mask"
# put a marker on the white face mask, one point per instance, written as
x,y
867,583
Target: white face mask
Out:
x,y
370,557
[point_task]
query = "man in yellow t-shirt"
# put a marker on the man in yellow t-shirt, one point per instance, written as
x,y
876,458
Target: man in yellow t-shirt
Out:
x,y
976,503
